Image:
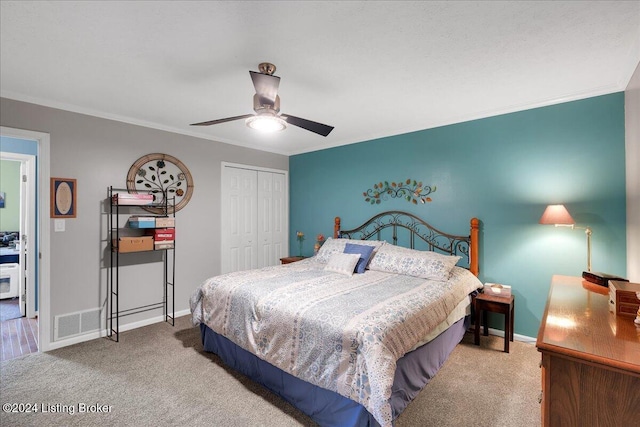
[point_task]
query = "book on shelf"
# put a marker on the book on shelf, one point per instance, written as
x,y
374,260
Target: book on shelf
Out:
x,y
133,199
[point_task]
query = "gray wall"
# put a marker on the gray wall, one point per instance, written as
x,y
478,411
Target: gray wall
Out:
x,y
98,153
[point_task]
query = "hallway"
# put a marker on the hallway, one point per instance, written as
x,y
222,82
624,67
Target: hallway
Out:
x,y
18,335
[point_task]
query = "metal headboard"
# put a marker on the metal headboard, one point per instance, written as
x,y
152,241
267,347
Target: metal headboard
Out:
x,y
436,240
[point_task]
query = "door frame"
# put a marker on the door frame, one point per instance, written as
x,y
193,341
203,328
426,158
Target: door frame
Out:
x,y
43,229
28,210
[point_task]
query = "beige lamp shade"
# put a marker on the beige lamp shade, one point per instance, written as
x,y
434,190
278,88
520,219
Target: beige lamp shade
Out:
x,y
556,214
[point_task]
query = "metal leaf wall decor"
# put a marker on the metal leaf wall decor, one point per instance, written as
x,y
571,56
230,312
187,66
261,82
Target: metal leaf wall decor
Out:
x,y
410,190
163,176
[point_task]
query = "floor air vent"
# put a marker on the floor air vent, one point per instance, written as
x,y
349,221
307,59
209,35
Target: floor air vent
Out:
x,y
72,324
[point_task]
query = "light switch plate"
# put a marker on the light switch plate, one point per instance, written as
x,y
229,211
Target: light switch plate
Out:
x,y
58,225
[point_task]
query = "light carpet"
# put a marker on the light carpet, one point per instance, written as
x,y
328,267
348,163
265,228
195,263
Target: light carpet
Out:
x,y
159,375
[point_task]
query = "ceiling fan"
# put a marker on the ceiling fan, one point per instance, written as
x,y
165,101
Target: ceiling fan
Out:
x,y
266,104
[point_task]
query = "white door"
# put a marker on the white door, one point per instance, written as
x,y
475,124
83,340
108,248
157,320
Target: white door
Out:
x,y
239,219
255,217
24,232
271,218
28,237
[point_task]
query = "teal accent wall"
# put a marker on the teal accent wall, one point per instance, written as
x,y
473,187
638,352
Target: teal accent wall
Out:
x,y
503,170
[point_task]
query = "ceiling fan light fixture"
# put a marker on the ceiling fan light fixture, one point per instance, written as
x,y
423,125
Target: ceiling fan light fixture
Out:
x,y
266,104
266,123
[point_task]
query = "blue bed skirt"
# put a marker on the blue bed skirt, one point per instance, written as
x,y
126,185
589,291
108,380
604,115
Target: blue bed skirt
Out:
x,y
327,408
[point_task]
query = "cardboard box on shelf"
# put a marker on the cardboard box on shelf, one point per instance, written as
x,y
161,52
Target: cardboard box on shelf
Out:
x,y
161,234
142,222
165,222
163,244
134,244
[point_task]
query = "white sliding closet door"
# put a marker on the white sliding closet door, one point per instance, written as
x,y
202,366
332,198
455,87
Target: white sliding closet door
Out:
x,y
271,218
239,220
254,218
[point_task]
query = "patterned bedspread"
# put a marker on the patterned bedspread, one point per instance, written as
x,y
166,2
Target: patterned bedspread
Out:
x,y
341,333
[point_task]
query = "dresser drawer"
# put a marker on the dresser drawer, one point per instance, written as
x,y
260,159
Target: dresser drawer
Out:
x,y
627,297
627,309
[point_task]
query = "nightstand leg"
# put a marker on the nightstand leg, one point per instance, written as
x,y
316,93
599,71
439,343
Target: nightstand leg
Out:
x,y
507,330
485,324
513,315
476,332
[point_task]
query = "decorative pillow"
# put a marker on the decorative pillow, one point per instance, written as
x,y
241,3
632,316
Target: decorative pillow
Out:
x,y
365,253
332,246
424,264
342,263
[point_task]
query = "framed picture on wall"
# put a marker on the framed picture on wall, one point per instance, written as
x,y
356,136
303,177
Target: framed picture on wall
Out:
x,y
63,198
2,197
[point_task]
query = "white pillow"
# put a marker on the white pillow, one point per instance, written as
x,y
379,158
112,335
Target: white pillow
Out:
x,y
332,246
424,264
342,263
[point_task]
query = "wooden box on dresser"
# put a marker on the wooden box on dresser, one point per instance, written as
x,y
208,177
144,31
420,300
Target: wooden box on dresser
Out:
x,y
590,358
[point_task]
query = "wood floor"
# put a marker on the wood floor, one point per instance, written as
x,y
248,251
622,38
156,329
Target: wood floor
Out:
x,y
18,337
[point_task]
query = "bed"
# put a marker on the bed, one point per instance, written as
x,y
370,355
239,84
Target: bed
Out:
x,y
351,335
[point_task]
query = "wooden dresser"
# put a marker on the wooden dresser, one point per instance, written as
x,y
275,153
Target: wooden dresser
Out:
x,y
590,358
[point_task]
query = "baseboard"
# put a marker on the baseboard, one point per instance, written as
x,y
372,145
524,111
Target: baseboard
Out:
x,y
101,334
516,337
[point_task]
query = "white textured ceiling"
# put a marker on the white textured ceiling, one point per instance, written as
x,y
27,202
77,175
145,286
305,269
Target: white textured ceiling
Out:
x,y
371,69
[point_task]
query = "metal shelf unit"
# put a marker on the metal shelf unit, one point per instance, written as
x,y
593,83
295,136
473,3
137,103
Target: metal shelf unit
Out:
x,y
161,210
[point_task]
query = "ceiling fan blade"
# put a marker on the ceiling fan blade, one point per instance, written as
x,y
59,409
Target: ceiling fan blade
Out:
x,y
316,127
266,87
215,122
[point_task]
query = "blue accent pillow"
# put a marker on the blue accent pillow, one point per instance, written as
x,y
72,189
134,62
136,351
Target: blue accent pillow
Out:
x,y
365,254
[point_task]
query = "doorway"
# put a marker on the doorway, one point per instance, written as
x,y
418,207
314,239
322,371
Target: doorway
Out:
x,y
29,243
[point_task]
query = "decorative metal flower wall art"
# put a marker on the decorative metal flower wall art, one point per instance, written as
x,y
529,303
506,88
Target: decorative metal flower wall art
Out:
x,y
411,190
164,176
